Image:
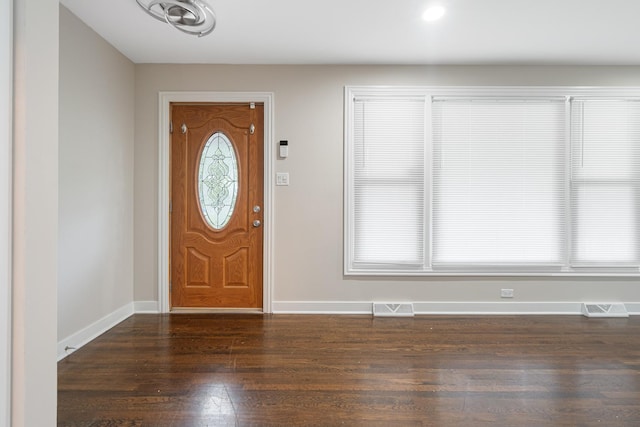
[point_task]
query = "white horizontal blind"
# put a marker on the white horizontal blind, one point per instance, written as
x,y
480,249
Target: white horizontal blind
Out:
x,y
498,182
605,182
388,182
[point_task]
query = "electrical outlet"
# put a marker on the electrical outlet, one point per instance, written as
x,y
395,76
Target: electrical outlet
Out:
x,y
506,293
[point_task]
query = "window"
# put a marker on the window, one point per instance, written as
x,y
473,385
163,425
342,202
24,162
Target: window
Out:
x,y
217,181
491,181
388,182
605,182
498,181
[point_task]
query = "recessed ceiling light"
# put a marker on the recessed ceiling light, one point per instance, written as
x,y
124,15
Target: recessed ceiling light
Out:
x,y
433,13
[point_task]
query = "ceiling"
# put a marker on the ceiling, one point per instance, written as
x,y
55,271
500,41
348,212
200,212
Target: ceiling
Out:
x,y
592,32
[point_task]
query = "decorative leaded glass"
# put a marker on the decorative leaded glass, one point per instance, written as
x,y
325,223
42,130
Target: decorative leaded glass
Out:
x,y
218,181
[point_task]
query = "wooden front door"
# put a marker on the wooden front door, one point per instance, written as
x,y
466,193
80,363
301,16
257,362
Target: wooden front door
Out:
x,y
216,205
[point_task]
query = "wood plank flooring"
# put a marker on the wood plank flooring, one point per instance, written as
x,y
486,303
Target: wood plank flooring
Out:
x,y
310,370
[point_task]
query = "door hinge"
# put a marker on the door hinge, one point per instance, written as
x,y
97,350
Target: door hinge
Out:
x,y
170,206
170,285
170,127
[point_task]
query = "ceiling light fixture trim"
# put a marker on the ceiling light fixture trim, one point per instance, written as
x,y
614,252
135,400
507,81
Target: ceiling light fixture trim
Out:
x,y
193,17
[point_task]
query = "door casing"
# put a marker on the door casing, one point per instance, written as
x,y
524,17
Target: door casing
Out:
x,y
165,98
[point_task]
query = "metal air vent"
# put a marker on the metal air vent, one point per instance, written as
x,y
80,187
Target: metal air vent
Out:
x,y
393,309
599,309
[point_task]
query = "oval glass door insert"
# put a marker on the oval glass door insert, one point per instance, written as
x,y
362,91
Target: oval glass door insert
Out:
x,y
218,181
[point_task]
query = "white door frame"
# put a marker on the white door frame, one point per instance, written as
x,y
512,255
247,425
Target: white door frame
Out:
x,y
165,99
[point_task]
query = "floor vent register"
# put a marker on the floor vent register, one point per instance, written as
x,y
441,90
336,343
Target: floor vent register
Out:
x,y
392,309
604,309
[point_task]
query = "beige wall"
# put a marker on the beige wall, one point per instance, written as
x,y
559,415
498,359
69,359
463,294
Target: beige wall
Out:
x,y
95,248
309,213
6,166
35,213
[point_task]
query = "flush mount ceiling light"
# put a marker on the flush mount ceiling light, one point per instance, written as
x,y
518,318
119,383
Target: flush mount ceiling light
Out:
x,y
433,13
189,16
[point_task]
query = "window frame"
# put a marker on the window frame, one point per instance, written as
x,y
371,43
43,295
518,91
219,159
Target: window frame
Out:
x,y
428,93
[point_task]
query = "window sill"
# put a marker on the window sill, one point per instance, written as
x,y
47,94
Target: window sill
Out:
x,y
467,272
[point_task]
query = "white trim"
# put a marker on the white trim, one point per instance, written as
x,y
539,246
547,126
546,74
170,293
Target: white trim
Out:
x,y
441,308
6,206
145,307
496,91
347,178
165,98
97,328
633,308
498,308
322,307
568,229
467,272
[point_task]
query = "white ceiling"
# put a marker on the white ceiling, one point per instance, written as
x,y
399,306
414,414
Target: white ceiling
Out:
x,y
380,32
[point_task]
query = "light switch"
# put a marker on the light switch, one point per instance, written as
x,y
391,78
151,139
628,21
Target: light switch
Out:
x,y
282,178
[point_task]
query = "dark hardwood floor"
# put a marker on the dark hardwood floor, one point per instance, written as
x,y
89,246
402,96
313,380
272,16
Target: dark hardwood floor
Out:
x,y
288,370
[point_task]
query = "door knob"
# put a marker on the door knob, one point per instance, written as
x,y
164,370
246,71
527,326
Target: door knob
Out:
x,y
256,208
257,223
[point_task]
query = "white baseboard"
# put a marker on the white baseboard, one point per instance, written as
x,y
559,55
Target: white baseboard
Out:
x,y
94,330
145,307
322,307
498,308
633,308
440,307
